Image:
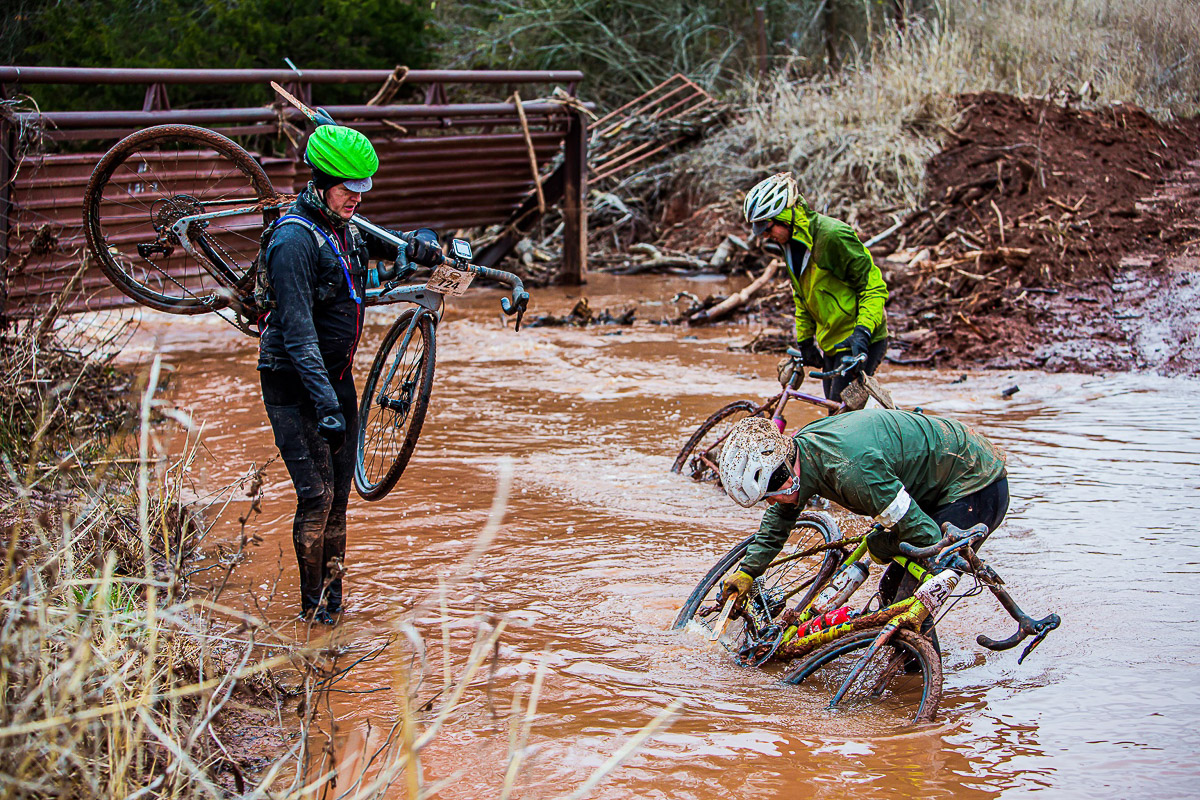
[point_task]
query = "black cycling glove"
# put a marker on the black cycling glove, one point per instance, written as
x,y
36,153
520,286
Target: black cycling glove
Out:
x,y
812,354
332,428
424,248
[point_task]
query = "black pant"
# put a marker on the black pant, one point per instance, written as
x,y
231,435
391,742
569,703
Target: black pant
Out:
x,y
988,505
833,386
321,479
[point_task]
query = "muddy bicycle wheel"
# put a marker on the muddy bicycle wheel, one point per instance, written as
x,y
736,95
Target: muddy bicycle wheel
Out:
x,y
393,404
789,584
699,457
903,679
149,181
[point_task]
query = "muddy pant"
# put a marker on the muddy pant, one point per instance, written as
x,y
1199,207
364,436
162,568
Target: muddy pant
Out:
x,y
321,479
833,386
988,505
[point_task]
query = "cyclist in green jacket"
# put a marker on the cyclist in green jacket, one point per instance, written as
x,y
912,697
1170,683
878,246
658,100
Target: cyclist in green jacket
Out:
x,y
838,291
911,472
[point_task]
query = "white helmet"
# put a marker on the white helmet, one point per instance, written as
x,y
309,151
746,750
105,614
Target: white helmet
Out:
x,y
768,199
753,451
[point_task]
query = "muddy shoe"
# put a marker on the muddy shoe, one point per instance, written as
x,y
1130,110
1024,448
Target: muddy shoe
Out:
x,y
324,617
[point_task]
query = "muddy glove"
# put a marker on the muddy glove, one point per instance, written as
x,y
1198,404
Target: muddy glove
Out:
x,y
785,369
332,428
738,583
812,354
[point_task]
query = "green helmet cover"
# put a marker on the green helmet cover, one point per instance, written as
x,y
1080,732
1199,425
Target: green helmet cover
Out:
x,y
341,152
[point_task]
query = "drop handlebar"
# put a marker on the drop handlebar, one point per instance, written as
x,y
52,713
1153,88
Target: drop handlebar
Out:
x,y
849,364
962,541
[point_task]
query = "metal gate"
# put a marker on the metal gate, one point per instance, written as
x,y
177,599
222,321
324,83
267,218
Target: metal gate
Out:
x,y
447,166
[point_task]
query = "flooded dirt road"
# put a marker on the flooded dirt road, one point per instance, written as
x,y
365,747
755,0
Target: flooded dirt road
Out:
x,y
600,544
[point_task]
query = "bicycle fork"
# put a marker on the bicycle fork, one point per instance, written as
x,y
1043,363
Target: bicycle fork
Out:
x,y
927,599
405,400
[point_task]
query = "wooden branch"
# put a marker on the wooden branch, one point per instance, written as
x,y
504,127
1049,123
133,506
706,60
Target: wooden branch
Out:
x,y
737,299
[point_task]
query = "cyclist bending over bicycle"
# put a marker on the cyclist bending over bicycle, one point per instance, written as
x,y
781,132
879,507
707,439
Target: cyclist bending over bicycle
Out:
x,y
312,283
910,472
839,293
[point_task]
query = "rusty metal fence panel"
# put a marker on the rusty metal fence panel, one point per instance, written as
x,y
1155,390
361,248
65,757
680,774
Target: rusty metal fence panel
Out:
x,y
444,166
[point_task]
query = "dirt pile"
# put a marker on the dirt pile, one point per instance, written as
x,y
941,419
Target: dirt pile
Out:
x,y
1053,237
1050,232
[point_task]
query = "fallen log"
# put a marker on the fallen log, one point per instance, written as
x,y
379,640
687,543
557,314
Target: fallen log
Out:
x,y
737,299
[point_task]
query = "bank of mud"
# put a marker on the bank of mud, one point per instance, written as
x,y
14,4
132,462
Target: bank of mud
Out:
x,y
1052,237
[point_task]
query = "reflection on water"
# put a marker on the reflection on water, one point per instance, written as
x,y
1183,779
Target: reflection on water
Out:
x,y
600,545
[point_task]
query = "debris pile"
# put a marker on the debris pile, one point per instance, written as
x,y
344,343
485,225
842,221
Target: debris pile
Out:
x,y
1035,209
1049,234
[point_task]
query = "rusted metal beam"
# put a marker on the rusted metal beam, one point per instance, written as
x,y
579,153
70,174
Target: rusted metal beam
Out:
x,y
202,116
8,144
574,211
93,75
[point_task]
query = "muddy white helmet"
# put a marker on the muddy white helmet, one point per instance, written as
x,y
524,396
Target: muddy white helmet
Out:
x,y
768,199
754,450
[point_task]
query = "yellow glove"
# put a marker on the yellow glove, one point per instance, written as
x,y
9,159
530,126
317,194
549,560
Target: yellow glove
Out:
x,y
738,583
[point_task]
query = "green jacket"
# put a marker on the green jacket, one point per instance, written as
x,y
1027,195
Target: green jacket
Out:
x,y
836,284
894,466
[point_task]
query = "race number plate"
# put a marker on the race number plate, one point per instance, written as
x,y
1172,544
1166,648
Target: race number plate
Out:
x,y
449,280
934,592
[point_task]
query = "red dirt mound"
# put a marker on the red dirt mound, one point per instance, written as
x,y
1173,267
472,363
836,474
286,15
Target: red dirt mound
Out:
x,y
1039,215
1064,182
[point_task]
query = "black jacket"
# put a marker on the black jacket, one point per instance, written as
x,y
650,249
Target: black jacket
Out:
x,y
315,326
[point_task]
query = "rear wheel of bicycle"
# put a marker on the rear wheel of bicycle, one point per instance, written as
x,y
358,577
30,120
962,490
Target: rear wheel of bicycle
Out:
x,y
902,679
800,578
700,456
150,180
393,404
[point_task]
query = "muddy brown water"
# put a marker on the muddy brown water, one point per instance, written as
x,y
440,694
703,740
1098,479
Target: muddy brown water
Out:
x,y
600,544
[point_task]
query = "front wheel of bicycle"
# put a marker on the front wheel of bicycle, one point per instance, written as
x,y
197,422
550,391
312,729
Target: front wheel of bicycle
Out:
x,y
700,456
791,583
393,404
152,179
902,679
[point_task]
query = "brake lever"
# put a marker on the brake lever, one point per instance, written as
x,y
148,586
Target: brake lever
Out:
x,y
520,299
1036,641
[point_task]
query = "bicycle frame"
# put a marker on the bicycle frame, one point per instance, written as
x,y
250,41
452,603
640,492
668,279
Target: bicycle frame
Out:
x,y
909,613
388,294
789,393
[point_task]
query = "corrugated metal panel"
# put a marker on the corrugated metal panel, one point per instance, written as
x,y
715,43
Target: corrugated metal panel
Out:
x,y
447,182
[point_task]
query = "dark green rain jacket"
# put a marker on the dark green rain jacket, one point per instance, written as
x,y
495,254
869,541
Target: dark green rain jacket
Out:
x,y
894,466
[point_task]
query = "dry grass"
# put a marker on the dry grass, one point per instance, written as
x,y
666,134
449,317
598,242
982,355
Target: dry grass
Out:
x,y
120,678
858,139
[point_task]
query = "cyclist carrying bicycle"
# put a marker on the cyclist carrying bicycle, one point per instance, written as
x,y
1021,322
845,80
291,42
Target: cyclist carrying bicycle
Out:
x,y
911,472
313,285
838,290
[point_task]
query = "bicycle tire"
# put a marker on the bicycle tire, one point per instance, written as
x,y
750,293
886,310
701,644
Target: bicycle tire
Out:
x,y
884,682
699,466
814,527
391,413
149,180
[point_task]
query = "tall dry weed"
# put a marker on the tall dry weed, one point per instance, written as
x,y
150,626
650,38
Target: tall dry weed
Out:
x,y
119,673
